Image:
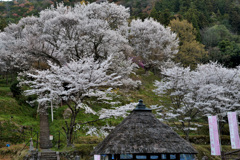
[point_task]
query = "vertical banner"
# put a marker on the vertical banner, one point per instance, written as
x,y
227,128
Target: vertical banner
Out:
x,y
214,136
234,132
97,157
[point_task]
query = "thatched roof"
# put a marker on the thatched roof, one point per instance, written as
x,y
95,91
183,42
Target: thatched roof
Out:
x,y
141,132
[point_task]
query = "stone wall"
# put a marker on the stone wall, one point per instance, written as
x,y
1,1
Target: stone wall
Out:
x,y
71,155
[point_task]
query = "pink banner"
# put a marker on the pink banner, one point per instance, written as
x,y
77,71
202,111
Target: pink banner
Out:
x,y
214,136
97,157
234,132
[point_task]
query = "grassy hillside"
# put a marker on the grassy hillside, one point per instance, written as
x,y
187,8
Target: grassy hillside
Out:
x,y
15,119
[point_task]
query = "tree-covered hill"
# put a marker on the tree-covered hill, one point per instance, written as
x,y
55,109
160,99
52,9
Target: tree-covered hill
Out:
x,y
201,13
13,11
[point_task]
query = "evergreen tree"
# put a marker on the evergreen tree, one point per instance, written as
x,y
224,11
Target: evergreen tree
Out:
x,y
154,14
165,17
3,23
234,19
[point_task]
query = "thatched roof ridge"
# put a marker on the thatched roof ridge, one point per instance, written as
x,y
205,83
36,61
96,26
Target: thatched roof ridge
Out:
x,y
141,132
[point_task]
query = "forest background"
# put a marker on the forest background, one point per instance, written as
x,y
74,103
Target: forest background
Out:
x,y
216,22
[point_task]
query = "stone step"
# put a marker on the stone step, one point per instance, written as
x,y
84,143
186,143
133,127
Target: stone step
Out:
x,y
48,155
48,158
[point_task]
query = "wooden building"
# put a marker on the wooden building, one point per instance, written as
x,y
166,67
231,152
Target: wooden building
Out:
x,y
142,136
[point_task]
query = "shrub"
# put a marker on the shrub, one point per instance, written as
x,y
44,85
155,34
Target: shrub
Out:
x,y
13,149
88,140
18,95
15,89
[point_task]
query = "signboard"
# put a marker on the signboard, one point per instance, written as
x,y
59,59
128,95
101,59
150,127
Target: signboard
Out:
x,y
214,136
234,132
50,137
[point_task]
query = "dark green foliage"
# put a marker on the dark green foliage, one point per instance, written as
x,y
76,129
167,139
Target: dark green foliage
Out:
x,y
234,19
213,35
193,16
223,46
154,14
20,97
3,23
165,17
15,89
172,6
232,51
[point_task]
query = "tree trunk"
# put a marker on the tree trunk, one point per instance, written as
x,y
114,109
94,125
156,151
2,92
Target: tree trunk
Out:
x,y
69,139
45,142
69,128
69,132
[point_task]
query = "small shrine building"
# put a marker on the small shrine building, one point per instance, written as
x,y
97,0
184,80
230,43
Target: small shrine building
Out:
x,y
141,136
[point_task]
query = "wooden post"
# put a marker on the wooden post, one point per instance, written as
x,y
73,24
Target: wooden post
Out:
x,y
168,156
109,157
117,156
178,156
134,156
148,156
37,141
59,140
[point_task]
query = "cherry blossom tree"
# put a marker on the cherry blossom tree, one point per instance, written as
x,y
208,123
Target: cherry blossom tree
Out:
x,y
10,63
73,84
211,89
152,42
65,35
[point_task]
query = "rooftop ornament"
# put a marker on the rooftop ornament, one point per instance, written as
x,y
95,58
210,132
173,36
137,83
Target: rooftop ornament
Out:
x,y
141,106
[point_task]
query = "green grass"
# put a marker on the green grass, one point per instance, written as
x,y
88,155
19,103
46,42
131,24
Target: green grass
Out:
x,y
5,91
10,106
15,117
145,91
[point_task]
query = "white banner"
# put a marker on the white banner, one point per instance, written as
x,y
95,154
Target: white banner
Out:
x,y
234,132
214,136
